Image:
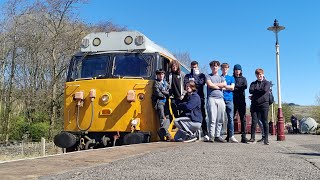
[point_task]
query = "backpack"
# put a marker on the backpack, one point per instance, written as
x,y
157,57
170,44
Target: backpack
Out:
x,y
271,98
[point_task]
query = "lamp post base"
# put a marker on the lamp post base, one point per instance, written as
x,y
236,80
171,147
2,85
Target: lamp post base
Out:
x,y
280,126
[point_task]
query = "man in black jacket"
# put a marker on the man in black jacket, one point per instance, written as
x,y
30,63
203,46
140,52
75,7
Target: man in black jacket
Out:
x,y
239,99
260,90
159,99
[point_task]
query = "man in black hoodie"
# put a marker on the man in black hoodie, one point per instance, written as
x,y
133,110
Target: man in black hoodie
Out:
x,y
260,90
239,99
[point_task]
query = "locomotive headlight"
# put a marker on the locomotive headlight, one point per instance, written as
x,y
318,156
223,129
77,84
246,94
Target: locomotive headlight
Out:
x,y
96,41
141,96
106,98
139,40
128,40
135,122
85,42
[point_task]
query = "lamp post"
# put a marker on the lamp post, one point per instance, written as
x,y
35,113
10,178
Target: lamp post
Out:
x,y
273,129
280,124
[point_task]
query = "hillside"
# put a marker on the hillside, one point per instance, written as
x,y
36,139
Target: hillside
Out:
x,y
299,111
304,111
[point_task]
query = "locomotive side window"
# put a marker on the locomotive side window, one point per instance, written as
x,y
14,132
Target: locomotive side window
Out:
x,y
166,65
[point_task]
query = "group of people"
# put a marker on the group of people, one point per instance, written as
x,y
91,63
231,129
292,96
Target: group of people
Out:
x,y
225,95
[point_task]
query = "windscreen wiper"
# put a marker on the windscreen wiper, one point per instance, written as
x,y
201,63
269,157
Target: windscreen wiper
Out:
x,y
86,78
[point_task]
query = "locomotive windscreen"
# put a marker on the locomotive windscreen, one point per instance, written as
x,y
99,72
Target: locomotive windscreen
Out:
x,y
113,65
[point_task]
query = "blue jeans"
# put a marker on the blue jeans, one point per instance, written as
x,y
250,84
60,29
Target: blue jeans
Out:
x,y
230,114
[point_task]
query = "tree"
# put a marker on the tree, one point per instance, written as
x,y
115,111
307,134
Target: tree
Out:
x,y
37,40
12,27
184,58
287,111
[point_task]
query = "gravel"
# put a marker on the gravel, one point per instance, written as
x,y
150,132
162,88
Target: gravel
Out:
x,y
291,159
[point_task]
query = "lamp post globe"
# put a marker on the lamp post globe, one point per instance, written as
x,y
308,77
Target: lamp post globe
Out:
x,y
276,28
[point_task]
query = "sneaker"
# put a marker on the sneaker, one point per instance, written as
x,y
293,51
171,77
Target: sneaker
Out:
x,y
227,139
244,140
266,142
197,134
206,138
219,139
253,141
169,139
261,140
233,140
190,139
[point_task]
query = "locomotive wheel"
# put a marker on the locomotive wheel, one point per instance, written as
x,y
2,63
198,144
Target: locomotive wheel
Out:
x,y
133,138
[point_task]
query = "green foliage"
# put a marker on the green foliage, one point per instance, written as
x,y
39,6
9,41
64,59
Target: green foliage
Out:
x,y
18,127
316,113
38,130
41,116
287,111
316,110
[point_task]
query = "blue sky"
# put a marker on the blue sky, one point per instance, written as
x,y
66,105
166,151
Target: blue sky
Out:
x,y
230,31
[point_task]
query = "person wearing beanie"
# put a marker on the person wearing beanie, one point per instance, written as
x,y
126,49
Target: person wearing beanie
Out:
x,y
239,100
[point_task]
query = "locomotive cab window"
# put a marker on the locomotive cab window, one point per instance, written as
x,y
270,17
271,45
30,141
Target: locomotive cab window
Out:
x,y
132,65
90,66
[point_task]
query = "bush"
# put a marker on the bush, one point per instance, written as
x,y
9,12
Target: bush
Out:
x,y
18,127
38,130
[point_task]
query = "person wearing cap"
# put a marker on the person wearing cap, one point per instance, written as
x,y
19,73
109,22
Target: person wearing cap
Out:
x,y
259,108
239,100
159,99
215,102
200,80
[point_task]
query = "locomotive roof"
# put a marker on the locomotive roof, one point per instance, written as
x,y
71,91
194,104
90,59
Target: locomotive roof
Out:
x,y
127,41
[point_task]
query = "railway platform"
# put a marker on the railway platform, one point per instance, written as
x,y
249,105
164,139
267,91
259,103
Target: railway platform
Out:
x,y
296,158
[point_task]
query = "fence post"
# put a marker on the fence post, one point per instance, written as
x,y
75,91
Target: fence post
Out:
x,y
22,150
43,146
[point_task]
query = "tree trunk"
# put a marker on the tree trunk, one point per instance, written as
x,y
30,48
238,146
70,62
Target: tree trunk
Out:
x,y
53,94
9,92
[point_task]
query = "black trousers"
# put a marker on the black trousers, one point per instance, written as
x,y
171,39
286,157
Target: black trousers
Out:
x,y
241,108
204,125
260,113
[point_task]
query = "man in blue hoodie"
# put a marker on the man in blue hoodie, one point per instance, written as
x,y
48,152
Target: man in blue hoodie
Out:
x,y
200,80
228,100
